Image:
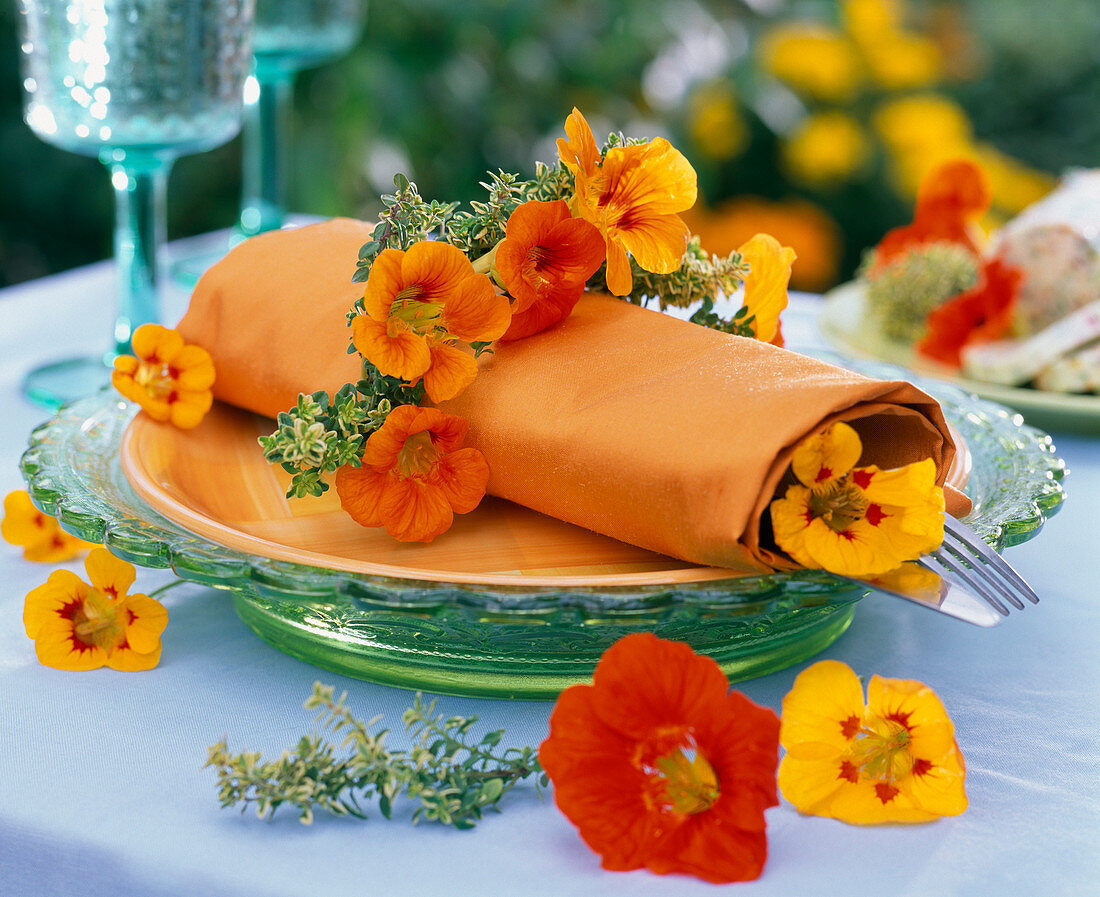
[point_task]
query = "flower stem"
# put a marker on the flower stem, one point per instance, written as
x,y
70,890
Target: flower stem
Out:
x,y
166,587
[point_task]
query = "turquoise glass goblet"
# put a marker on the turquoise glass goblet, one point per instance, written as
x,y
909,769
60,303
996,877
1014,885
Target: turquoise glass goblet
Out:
x,y
135,83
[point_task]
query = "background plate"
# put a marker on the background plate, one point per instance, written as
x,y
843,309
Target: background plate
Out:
x,y
845,323
507,639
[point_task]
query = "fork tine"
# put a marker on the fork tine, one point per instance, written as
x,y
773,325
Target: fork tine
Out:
x,y
973,565
960,535
937,563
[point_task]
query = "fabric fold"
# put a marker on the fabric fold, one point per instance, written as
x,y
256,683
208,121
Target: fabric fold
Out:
x,y
625,421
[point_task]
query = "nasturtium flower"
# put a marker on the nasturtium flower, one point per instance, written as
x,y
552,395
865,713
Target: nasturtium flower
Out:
x,y
545,261
766,283
856,521
78,625
419,304
415,475
39,535
891,759
632,195
950,199
170,380
814,60
660,766
980,314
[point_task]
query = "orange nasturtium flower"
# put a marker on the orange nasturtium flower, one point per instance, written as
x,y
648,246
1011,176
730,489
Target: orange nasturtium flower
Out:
x,y
79,625
856,521
893,759
632,195
661,766
950,199
545,261
415,475
170,380
419,303
766,283
40,536
982,313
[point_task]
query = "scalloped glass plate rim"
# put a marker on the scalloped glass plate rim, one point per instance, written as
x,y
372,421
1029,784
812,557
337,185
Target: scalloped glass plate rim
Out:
x,y
998,531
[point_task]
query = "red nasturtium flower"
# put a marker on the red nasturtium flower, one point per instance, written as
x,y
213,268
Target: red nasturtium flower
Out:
x,y
981,314
660,766
949,200
545,260
415,475
171,381
632,195
891,759
419,303
79,625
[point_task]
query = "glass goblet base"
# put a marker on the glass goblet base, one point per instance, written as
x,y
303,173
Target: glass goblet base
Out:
x,y
54,384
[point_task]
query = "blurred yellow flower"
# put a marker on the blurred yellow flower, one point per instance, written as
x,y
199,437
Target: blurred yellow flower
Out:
x,y
826,148
715,122
920,133
796,223
40,535
814,60
903,62
1013,184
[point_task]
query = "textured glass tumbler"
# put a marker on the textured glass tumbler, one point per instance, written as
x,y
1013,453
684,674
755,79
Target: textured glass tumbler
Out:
x,y
135,83
290,36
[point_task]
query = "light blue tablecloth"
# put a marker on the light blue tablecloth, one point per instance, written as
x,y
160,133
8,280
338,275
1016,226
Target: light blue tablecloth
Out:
x,y
103,793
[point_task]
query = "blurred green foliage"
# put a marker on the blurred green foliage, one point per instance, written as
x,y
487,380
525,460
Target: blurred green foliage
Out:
x,y
445,91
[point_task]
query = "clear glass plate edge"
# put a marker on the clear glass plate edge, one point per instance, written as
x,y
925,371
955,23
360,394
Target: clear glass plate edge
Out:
x,y
72,473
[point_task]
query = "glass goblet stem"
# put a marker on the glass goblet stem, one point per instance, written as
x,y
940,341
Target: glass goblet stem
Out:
x,y
266,150
140,182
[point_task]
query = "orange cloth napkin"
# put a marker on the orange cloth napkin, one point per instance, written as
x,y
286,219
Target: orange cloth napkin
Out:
x,y
626,421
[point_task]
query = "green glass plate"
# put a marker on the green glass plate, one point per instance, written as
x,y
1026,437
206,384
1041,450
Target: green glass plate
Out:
x,y
509,641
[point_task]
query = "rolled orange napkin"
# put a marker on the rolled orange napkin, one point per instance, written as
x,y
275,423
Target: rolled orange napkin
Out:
x,y
625,421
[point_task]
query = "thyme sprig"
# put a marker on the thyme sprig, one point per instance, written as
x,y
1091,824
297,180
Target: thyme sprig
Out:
x,y
452,778
317,435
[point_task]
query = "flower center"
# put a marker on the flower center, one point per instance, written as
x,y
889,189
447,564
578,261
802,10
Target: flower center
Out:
x,y
413,306
156,378
690,783
96,622
839,504
537,259
881,750
417,456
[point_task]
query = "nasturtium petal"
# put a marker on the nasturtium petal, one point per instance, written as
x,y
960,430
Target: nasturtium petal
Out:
x,y
383,284
439,268
475,312
824,706
766,283
403,354
826,456
108,573
656,242
147,620
462,475
452,369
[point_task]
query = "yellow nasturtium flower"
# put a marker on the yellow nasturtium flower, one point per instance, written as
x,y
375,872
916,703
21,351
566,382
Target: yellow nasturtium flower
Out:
x,y
856,521
171,381
766,283
892,758
40,536
634,195
78,625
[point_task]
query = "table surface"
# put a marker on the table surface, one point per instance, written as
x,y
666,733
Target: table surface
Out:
x,y
104,790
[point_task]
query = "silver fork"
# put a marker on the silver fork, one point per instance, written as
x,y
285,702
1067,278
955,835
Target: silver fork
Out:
x,y
965,556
